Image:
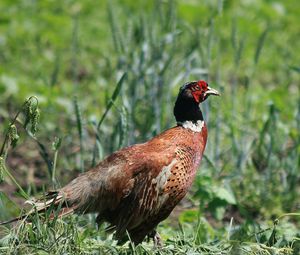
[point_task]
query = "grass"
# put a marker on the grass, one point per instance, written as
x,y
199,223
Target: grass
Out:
x,y
106,75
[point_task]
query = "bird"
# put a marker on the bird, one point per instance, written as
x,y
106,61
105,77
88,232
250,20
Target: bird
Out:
x,y
137,187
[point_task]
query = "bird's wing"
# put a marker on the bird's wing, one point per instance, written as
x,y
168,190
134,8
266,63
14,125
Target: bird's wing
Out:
x,y
116,177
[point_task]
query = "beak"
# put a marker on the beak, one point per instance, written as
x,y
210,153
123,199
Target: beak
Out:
x,y
211,91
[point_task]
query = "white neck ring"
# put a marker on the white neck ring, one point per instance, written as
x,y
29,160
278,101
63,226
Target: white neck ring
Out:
x,y
194,126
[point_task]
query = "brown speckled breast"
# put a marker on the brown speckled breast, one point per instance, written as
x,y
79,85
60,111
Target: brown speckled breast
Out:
x,y
182,176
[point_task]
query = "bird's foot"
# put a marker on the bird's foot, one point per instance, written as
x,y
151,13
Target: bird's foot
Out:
x,y
158,243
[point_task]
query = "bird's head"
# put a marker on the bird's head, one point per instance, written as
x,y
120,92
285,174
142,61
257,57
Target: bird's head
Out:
x,y
197,91
190,96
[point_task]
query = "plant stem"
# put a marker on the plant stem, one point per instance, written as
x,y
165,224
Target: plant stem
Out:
x,y
23,193
54,167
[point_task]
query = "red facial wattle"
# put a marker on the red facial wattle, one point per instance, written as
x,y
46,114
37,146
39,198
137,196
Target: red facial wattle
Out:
x,y
197,96
198,91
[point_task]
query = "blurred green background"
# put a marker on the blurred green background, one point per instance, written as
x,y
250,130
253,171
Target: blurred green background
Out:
x,y
106,75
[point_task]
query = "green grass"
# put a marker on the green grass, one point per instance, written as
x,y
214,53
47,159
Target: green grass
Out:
x,y
106,75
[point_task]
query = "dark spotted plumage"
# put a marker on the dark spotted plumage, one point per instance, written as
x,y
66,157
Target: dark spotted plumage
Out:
x,y
137,187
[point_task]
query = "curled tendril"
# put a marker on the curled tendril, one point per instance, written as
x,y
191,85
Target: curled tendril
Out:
x,y
27,112
13,135
35,120
32,113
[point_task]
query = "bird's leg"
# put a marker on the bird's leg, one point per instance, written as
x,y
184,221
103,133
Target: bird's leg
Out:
x,y
156,239
99,221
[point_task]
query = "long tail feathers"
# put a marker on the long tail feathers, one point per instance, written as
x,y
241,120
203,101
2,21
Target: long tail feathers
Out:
x,y
51,200
13,220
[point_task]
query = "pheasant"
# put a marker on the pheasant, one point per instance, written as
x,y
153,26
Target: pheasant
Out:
x,y
137,187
